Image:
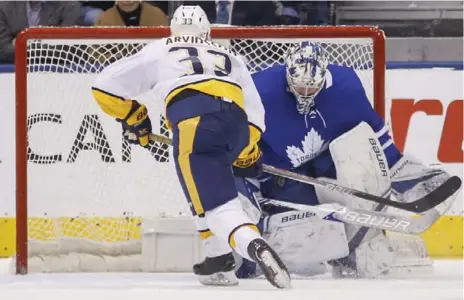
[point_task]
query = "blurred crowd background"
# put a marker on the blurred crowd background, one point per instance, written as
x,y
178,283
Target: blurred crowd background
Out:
x,y
435,19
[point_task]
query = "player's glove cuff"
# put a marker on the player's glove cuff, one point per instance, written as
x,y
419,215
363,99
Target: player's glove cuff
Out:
x,y
248,157
251,168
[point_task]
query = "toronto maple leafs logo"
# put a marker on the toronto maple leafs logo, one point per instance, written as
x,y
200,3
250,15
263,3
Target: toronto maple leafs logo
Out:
x,y
312,145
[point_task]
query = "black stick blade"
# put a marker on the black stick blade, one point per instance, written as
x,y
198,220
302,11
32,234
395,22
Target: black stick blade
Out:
x,y
436,197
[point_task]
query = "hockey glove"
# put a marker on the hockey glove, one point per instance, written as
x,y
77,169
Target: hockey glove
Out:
x,y
248,165
137,125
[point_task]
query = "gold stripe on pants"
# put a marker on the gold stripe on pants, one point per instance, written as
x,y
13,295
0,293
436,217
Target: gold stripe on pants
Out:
x,y
187,129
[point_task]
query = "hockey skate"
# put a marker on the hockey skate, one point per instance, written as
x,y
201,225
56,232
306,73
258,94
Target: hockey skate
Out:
x,y
217,270
272,266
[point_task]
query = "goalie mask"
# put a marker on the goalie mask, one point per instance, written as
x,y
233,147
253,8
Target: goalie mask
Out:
x,y
306,67
190,20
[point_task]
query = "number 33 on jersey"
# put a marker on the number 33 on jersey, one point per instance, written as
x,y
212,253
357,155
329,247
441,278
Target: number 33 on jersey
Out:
x,y
170,65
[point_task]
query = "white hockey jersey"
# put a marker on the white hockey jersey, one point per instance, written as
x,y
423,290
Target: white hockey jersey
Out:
x,y
170,65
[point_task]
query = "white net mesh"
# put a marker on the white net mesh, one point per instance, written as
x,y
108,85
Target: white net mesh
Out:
x,y
88,189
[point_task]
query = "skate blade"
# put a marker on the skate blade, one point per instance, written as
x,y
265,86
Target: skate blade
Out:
x,y
219,279
279,277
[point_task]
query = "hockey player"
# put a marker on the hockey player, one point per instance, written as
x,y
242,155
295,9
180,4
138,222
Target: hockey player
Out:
x,y
320,123
216,117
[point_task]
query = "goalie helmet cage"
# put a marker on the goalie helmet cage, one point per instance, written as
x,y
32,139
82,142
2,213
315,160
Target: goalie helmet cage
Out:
x,y
43,55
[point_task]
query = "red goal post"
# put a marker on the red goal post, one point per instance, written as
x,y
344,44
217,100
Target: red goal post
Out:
x,y
374,58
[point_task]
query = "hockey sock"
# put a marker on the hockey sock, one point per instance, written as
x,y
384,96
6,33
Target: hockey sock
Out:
x,y
241,237
232,225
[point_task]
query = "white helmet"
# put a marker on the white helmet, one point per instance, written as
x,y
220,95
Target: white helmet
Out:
x,y
306,65
191,20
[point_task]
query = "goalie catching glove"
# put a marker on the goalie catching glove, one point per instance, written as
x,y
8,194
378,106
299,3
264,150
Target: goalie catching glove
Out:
x,y
136,126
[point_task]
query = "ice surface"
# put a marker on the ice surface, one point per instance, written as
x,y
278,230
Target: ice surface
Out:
x,y
445,283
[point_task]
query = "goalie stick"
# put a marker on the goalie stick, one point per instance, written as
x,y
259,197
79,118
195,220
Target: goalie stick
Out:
x,y
434,198
365,218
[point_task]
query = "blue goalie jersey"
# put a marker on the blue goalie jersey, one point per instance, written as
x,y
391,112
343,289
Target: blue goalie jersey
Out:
x,y
300,142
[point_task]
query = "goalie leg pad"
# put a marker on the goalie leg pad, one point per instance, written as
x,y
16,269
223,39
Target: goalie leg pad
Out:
x,y
361,164
372,258
304,241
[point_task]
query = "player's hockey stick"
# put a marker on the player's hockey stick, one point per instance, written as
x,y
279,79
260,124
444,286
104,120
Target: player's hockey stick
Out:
x,y
365,218
437,196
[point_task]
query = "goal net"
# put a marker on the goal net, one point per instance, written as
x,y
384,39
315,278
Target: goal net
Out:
x,y
84,194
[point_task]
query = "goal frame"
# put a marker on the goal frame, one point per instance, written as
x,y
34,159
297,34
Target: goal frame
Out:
x,y
122,33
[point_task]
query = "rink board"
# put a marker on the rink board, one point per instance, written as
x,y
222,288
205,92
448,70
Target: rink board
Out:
x,y
443,240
